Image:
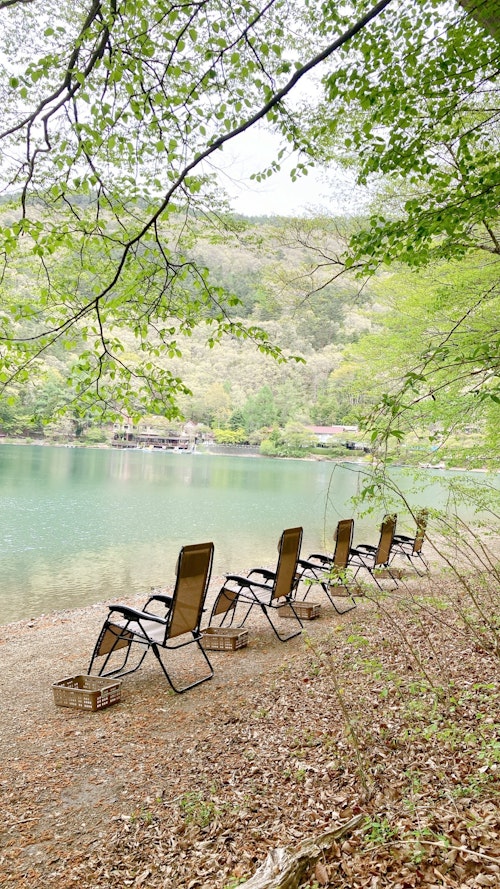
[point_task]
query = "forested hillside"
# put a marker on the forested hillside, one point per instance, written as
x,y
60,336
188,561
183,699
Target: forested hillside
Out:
x,y
342,343
129,289
275,280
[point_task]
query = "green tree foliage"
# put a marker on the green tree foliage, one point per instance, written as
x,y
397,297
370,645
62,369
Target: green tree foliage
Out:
x,y
230,436
429,126
291,441
347,394
112,116
214,407
432,366
424,137
486,12
260,410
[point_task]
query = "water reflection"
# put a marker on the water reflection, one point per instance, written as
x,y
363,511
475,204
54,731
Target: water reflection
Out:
x,y
83,525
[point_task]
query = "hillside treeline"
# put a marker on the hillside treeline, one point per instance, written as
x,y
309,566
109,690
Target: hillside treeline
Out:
x,y
344,344
274,282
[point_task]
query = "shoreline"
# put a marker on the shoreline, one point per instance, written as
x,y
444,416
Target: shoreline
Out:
x,y
135,600
209,452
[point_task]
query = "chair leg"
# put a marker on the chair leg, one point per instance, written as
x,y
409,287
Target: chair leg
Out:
x,y
426,565
412,563
118,643
181,689
330,597
266,608
371,570
315,577
307,574
411,559
120,671
300,577
233,615
224,604
385,568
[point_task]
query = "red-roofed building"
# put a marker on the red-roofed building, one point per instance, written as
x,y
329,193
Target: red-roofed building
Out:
x,y
325,434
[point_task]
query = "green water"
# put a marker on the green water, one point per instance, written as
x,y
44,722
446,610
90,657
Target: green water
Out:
x,y
84,525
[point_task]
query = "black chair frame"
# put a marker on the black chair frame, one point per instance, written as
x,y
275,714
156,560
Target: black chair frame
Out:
x,y
127,627
275,590
330,571
374,558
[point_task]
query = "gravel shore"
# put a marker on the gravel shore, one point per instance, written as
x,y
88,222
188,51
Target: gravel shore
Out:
x,y
287,741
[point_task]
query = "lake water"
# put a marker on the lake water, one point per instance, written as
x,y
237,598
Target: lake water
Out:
x,y
84,525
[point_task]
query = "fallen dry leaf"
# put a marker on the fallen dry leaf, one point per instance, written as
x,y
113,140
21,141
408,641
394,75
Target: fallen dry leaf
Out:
x,y
397,719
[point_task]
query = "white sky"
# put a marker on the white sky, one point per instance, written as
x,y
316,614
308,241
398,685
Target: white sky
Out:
x,y
277,195
319,192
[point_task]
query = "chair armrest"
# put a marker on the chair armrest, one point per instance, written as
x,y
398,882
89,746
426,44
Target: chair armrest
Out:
x,y
134,614
322,557
238,578
322,566
325,561
265,572
247,582
363,556
157,597
364,548
403,538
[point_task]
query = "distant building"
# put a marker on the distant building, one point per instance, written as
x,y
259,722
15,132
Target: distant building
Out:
x,y
152,440
126,435
329,434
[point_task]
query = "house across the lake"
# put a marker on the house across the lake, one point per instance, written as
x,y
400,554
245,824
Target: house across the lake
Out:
x,y
336,435
126,435
330,434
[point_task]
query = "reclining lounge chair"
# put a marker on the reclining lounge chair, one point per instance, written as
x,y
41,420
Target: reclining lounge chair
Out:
x,y
127,628
276,588
411,547
375,558
330,571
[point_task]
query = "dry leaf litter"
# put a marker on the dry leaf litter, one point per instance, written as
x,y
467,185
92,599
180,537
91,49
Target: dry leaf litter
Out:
x,y
387,711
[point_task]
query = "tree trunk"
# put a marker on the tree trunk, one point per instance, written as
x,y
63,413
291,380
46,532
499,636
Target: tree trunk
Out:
x,y
486,13
284,869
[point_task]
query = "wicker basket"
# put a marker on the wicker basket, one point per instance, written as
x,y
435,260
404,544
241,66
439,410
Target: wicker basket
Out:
x,y
337,590
304,610
224,638
87,692
394,573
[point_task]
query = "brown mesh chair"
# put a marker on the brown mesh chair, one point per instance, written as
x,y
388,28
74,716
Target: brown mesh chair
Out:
x,y
127,628
411,547
276,588
376,558
330,571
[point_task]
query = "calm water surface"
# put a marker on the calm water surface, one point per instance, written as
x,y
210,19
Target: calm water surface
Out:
x,y
84,525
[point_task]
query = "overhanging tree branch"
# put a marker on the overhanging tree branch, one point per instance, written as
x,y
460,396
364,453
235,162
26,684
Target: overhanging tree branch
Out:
x,y
202,156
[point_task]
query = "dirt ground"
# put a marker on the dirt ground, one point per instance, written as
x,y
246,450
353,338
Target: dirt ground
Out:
x,y
387,712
